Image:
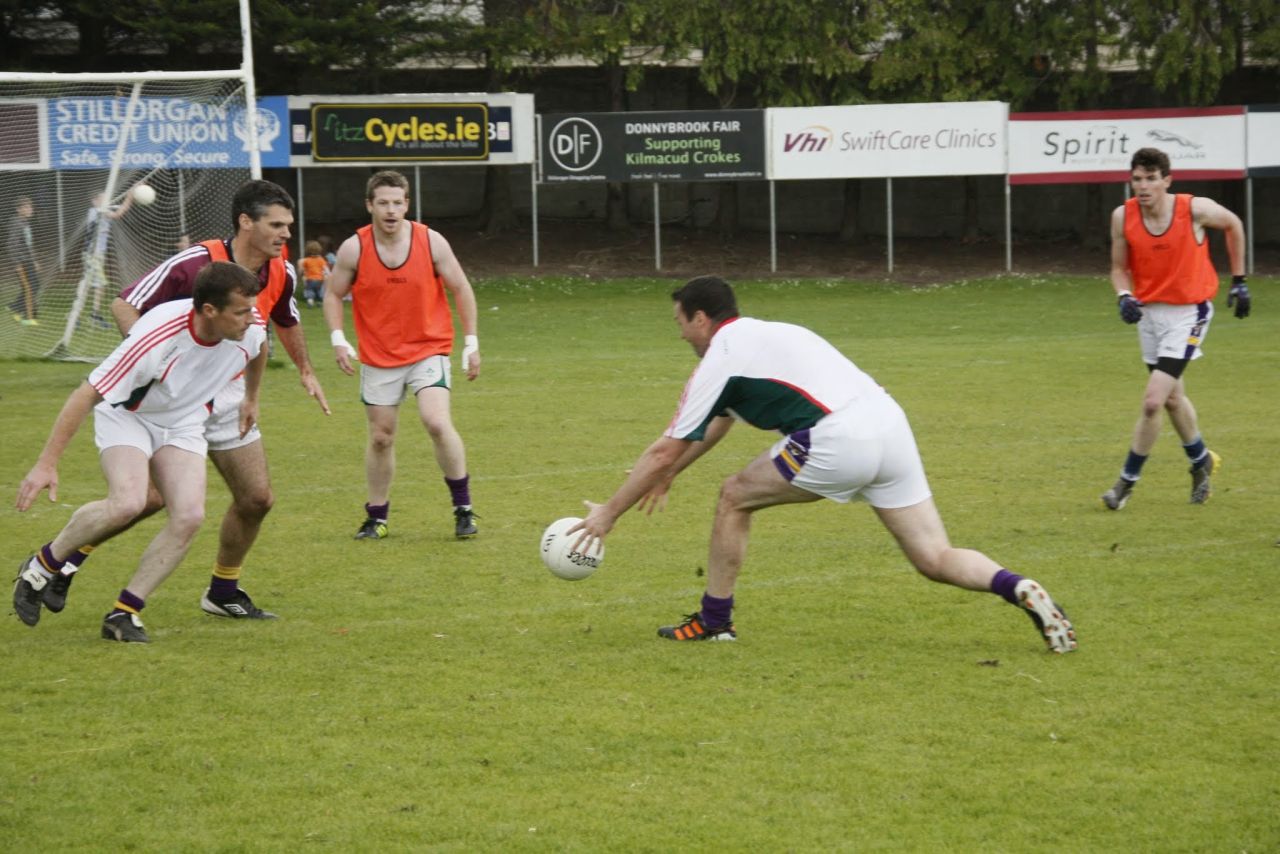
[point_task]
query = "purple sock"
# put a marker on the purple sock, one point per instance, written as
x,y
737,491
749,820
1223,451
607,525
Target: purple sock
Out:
x,y
716,612
1003,583
222,588
378,511
77,559
460,490
50,562
129,601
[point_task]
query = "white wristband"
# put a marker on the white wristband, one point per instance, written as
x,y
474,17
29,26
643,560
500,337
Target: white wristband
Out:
x,y
470,342
337,339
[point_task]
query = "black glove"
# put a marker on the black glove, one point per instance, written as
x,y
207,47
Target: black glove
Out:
x,y
1130,308
1239,296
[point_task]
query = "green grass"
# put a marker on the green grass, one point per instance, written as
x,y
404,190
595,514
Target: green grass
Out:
x,y
422,693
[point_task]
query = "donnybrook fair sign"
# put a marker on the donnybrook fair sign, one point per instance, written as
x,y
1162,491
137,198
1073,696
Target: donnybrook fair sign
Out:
x,y
724,145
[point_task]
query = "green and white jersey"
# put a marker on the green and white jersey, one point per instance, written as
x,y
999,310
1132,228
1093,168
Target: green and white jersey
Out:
x,y
775,376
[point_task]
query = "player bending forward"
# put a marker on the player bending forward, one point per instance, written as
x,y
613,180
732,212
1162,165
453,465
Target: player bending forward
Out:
x,y
261,215
149,400
842,436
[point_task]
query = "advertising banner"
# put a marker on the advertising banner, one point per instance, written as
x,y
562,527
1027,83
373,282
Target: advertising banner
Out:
x,y
1263,122
24,131
163,133
690,145
398,132
1096,146
887,141
404,129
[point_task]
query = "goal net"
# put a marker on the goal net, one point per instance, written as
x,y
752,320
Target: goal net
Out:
x,y
101,179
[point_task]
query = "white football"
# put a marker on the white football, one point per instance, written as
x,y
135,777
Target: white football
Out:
x,y
558,553
143,194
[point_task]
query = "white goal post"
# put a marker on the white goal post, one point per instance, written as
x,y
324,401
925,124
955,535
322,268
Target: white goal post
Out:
x,y
73,149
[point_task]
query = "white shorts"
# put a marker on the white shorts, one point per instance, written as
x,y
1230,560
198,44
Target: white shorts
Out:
x,y
222,430
1173,331
386,386
114,427
865,450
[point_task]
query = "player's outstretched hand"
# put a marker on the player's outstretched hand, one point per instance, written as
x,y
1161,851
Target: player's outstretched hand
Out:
x,y
1130,308
655,499
1239,297
311,384
40,477
593,528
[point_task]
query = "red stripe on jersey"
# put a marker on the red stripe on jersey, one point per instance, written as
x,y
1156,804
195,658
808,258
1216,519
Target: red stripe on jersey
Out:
x,y
825,409
134,354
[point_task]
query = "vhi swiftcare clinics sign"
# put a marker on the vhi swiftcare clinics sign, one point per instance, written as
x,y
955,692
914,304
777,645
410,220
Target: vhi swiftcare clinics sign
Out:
x,y
373,132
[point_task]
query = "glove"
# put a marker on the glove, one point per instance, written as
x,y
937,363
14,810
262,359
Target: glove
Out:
x,y
1130,308
1239,297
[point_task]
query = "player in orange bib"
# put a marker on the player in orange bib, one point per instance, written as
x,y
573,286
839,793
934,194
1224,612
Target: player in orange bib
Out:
x,y
397,272
1165,283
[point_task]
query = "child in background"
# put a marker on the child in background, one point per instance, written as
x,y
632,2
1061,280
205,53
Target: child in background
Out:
x,y
314,269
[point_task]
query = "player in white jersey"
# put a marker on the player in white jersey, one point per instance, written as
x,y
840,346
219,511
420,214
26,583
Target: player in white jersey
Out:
x,y
842,436
150,399
262,213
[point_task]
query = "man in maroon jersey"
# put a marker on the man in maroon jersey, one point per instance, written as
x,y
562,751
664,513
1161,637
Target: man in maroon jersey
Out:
x,y
262,213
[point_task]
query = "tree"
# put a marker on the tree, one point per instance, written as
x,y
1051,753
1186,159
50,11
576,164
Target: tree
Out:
x,y
618,37
958,50
364,38
776,53
1073,38
1187,48
21,31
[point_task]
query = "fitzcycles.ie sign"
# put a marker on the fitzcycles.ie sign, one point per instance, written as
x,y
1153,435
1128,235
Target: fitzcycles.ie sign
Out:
x,y
364,132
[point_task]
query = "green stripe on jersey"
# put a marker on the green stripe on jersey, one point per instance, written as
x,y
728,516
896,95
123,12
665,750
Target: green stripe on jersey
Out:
x,y
767,404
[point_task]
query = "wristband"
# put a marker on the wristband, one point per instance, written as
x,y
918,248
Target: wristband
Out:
x,y
338,339
1237,280
469,341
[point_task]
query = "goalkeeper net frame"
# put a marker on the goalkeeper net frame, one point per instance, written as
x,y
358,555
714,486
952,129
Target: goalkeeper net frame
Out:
x,y
72,149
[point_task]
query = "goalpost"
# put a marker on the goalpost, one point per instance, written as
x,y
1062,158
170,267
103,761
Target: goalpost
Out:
x,y
73,149
144,161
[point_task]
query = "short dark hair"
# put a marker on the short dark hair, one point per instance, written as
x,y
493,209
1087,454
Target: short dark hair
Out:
x,y
216,282
254,197
385,178
711,295
1151,159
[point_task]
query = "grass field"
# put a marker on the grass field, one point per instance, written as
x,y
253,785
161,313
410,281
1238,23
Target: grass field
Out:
x,y
423,693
